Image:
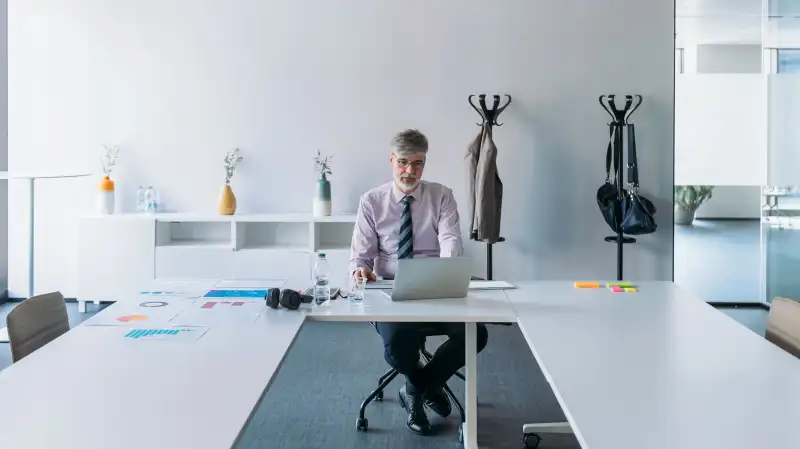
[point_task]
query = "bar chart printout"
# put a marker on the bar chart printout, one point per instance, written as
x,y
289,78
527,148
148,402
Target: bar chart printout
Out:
x,y
211,304
214,313
166,334
237,293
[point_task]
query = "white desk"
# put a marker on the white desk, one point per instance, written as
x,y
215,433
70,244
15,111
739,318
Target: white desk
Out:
x,y
654,369
658,369
91,375
90,389
478,306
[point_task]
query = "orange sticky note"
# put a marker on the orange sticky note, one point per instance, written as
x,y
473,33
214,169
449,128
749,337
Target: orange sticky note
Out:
x,y
587,285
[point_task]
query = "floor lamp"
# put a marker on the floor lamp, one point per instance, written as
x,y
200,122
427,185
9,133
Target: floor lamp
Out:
x,y
30,184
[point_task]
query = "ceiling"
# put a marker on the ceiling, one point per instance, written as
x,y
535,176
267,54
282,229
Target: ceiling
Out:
x,y
717,8
733,8
767,22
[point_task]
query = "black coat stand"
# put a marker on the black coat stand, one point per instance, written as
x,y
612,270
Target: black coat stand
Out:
x,y
490,116
619,121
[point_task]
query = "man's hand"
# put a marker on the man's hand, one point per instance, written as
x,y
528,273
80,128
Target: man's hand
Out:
x,y
364,272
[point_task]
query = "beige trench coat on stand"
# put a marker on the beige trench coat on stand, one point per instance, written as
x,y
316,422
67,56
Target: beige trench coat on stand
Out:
x,y
486,188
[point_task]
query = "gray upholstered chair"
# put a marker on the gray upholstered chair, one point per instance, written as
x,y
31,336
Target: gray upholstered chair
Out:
x,y
36,322
783,325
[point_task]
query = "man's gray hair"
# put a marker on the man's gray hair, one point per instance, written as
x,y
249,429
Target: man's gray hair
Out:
x,y
410,141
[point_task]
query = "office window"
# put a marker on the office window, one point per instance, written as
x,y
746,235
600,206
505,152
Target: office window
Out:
x,y
788,60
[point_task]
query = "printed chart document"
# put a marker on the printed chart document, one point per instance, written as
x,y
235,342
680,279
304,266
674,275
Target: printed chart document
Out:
x,y
166,333
220,312
249,284
186,288
144,312
245,293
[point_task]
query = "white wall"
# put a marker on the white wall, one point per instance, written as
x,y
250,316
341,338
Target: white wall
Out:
x,y
708,108
784,132
3,144
733,201
720,130
179,82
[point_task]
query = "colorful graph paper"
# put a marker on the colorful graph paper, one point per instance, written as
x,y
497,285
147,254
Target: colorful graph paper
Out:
x,y
141,333
235,293
210,304
182,333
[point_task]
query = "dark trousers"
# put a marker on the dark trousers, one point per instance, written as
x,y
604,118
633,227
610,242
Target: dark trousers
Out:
x,y
401,343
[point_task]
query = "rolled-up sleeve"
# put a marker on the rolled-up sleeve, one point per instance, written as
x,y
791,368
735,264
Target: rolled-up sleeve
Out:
x,y
364,246
449,227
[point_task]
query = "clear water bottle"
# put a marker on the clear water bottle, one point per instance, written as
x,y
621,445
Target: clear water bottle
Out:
x,y
140,203
322,274
150,200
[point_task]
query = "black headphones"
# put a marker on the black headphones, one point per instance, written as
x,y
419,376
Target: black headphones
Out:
x,y
286,298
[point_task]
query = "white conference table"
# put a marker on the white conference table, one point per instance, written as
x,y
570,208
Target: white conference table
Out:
x,y
658,369
198,394
654,369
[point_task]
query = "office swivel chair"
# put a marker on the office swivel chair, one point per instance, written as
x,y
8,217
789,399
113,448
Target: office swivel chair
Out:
x,y
362,423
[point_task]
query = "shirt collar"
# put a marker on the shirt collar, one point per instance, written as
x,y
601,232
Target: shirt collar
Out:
x,y
398,195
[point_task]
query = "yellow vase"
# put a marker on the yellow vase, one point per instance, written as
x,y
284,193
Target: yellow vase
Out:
x,y
227,201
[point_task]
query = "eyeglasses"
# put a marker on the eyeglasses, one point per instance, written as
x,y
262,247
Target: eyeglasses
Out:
x,y
404,163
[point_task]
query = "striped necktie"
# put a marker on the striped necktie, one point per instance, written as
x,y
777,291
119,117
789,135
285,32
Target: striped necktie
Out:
x,y
405,246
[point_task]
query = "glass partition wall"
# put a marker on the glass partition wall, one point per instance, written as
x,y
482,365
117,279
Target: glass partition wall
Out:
x,y
781,226
737,150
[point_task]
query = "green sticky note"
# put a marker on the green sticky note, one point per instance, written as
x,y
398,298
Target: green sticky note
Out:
x,y
619,284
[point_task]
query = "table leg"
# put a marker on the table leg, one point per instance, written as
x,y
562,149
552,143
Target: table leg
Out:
x,y
470,430
31,224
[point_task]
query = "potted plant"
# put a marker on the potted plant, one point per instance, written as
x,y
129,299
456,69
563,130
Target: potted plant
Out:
x,y
687,200
227,200
322,199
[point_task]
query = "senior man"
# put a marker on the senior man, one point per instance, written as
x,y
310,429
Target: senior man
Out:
x,y
405,218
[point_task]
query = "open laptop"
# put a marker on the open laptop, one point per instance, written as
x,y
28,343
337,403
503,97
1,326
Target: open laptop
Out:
x,y
430,278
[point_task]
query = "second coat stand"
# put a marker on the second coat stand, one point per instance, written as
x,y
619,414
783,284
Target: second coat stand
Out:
x,y
619,121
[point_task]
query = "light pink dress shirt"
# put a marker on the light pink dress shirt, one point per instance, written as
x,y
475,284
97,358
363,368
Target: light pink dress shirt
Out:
x,y
434,215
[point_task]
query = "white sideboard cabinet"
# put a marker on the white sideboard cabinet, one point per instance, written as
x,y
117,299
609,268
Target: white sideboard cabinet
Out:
x,y
121,253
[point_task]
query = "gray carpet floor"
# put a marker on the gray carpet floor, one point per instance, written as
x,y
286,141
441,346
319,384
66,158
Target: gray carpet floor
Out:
x,y
318,405
313,401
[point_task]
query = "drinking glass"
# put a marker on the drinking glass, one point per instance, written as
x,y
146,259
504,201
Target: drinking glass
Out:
x,y
357,288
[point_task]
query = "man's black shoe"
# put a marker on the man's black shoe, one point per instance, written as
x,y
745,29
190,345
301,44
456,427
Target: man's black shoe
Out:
x,y
417,420
436,399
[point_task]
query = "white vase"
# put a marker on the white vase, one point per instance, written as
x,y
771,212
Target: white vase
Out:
x,y
106,202
105,196
322,208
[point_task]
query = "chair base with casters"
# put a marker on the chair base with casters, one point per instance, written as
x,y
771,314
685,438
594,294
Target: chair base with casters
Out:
x,y
362,423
